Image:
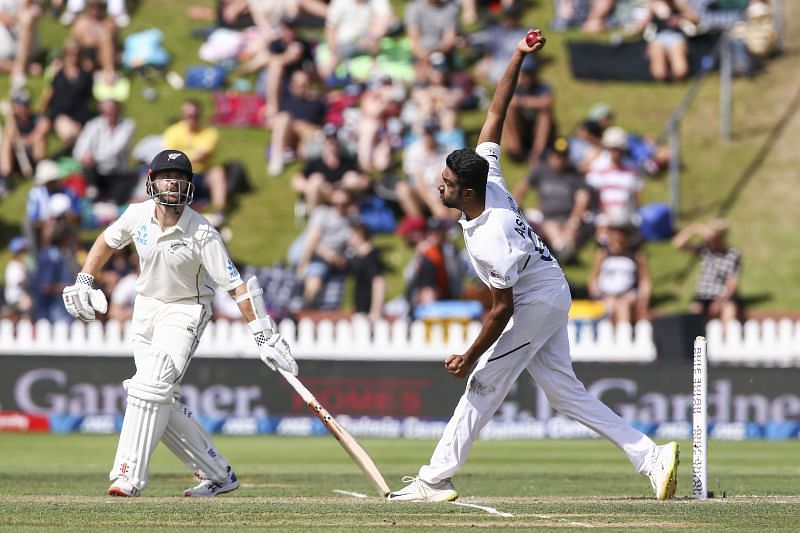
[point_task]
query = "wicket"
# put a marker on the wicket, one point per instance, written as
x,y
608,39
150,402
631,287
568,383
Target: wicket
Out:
x,y
699,421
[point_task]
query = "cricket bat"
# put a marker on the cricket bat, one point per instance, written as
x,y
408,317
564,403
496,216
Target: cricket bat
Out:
x,y
350,445
356,452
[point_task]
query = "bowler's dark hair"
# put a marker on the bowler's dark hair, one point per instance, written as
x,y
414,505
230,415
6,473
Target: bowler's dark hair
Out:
x,y
471,170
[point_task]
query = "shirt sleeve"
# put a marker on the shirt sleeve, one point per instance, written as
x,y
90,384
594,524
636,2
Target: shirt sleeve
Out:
x,y
120,233
491,152
83,145
217,262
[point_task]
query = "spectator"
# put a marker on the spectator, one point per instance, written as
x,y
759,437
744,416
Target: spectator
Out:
x,y
616,183
643,152
354,27
469,8
529,125
437,96
585,145
288,52
425,275
332,169
301,115
598,12
563,200
67,100
379,104
620,276
56,266
199,143
755,38
123,295
498,42
103,150
94,31
116,10
668,24
716,293
18,302
234,14
27,130
423,162
320,251
47,183
432,26
17,37
367,268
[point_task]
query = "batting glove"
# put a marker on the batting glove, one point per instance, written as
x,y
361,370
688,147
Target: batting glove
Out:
x,y
272,347
81,300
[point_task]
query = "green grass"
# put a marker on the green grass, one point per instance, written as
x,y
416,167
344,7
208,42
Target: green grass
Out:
x,y
765,118
58,482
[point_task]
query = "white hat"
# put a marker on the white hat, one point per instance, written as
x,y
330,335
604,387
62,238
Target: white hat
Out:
x,y
615,137
58,204
47,171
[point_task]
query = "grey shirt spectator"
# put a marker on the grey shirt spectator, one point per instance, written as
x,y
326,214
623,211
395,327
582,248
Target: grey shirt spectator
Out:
x,y
431,25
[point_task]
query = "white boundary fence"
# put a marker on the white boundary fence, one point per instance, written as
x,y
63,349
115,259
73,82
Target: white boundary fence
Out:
x,y
767,342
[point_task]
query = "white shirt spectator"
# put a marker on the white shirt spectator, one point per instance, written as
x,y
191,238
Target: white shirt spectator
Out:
x,y
124,292
419,160
353,19
15,276
109,147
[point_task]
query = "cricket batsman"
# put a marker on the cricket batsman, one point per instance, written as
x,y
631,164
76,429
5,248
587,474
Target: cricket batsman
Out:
x,y
526,327
180,256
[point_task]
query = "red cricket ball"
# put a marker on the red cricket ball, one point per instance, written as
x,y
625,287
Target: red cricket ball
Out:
x,y
533,37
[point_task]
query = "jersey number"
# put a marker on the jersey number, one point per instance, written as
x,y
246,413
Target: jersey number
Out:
x,y
525,231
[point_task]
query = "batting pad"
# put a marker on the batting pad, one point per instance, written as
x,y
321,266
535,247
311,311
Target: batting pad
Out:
x,y
142,428
186,438
146,416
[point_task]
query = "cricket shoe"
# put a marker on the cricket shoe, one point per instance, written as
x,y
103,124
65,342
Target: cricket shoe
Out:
x,y
124,488
208,488
664,471
418,490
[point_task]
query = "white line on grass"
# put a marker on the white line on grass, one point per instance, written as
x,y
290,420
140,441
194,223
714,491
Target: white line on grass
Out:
x,y
351,493
490,510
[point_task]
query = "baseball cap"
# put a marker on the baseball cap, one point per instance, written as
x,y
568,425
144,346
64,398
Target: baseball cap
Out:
x,y
615,138
438,61
411,224
46,171
17,244
600,111
330,130
171,160
431,125
21,96
59,204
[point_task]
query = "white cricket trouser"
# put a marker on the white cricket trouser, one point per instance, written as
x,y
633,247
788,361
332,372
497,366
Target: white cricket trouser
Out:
x,y
535,340
174,328
165,337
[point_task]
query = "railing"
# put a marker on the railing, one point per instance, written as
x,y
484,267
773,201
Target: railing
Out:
x,y
768,342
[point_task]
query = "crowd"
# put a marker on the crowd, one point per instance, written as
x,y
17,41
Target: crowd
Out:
x,y
370,110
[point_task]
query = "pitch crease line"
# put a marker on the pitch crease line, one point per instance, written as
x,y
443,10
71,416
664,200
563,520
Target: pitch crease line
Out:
x,y
490,510
350,493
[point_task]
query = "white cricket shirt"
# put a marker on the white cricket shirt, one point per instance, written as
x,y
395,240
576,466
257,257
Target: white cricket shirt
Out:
x,y
503,248
178,263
